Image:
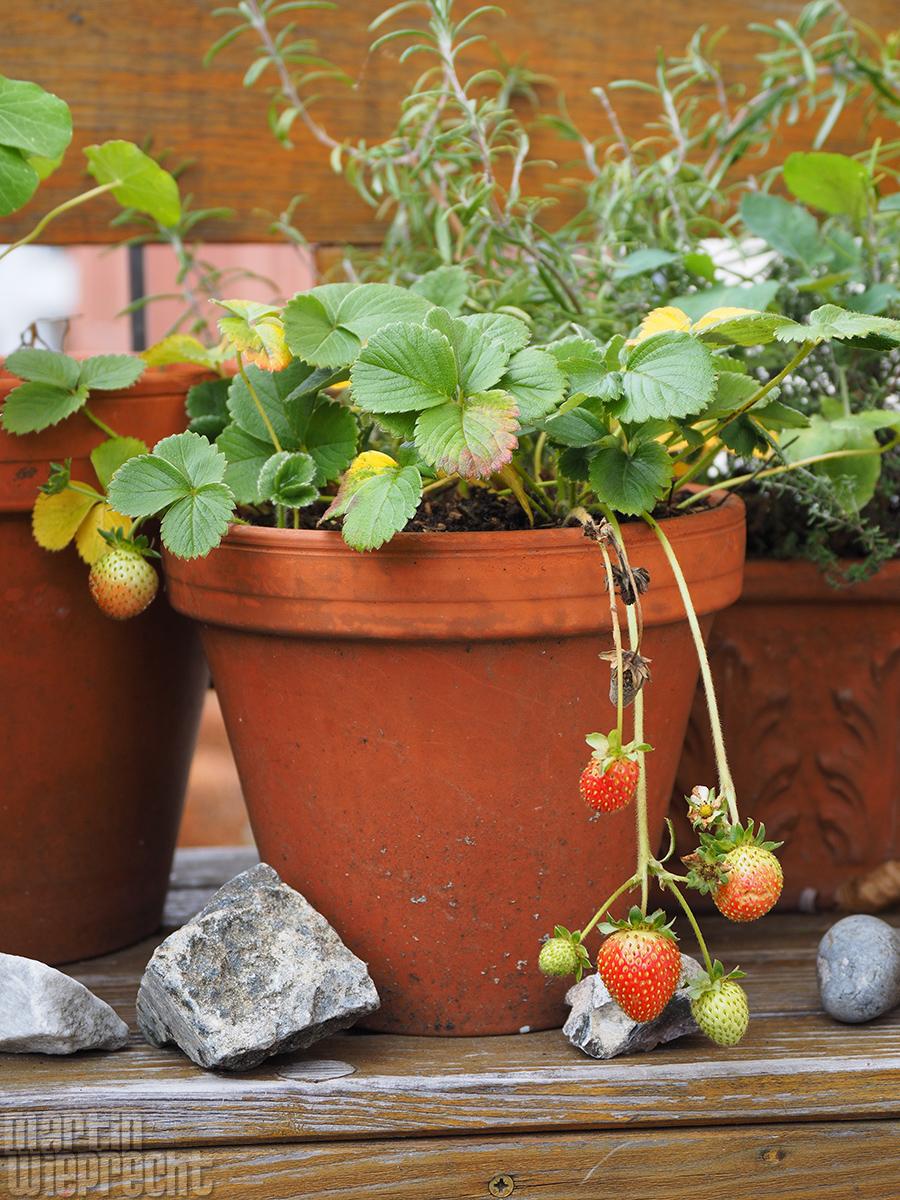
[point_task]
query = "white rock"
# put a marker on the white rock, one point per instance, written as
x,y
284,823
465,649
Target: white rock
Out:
x,y
43,1011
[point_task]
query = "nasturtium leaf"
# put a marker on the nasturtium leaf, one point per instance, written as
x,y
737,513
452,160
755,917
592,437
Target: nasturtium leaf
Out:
x,y
327,325
139,182
829,322
55,518
288,478
788,228
535,382
480,360
44,366
668,375
195,525
855,476
33,120
272,389
44,166
256,332
89,541
246,457
109,456
35,406
757,296
473,437
404,368
641,261
18,180
182,348
381,507
631,482
111,372
207,407
832,183
510,332
444,286
330,437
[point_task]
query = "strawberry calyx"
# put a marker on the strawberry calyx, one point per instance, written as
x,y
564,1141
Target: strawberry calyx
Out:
x,y
712,980
572,938
117,539
608,748
707,866
638,921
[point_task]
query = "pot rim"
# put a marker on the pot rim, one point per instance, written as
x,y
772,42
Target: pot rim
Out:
x,y
799,581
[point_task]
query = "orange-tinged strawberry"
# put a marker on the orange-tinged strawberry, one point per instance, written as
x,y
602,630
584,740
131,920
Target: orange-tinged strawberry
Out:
x,y
753,882
610,779
123,583
640,964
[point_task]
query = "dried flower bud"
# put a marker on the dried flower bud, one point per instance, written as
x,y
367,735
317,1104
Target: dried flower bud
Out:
x,y
635,673
630,585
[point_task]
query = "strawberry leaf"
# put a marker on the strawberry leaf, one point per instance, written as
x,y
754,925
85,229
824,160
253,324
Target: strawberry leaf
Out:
x,y
256,331
328,325
272,389
246,457
405,368
631,482
111,372
36,406
510,332
380,507
535,382
109,456
667,375
288,478
44,366
473,437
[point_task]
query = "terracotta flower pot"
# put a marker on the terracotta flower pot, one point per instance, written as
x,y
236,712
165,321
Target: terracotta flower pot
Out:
x,y
408,727
808,680
99,719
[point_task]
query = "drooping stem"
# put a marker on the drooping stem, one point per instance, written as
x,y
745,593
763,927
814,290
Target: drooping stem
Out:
x,y
58,212
607,904
108,430
701,941
84,489
617,640
726,783
270,428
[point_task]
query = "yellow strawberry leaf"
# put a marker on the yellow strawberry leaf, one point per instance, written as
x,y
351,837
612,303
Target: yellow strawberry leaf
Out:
x,y
661,320
182,348
257,332
88,542
55,518
372,462
720,314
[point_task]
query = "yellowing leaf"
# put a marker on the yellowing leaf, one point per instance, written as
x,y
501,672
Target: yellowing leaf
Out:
x,y
372,462
182,348
55,519
720,314
661,320
256,331
88,542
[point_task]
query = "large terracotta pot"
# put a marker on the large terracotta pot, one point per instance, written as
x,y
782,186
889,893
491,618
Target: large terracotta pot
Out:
x,y
99,717
808,680
408,727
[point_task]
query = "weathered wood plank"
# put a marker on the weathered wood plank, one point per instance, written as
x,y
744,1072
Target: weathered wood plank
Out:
x,y
833,1162
134,70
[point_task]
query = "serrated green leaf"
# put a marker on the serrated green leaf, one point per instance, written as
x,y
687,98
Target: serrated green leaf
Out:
x,y
832,183
667,375
111,372
330,436
256,331
631,482
829,322
480,360
140,182
473,438
182,348
272,389
207,407
146,485
18,180
44,366
381,507
404,368
328,325
288,478
109,456
576,429
757,296
246,457
535,382
195,525
732,391
36,406
787,228
446,287
510,332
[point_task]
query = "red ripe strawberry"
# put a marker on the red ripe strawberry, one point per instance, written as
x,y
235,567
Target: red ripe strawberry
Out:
x,y
753,875
640,964
122,582
610,779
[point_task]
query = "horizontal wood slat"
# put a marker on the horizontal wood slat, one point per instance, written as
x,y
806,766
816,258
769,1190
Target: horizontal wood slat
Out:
x,y
134,71
829,1162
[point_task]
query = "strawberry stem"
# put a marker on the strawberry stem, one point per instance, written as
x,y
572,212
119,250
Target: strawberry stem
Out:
x,y
100,424
626,886
726,783
262,412
667,879
617,641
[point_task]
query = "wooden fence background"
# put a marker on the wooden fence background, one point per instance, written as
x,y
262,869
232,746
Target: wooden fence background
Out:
x,y
134,70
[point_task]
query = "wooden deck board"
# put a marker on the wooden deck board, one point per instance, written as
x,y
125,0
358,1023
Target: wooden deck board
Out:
x,y
368,1114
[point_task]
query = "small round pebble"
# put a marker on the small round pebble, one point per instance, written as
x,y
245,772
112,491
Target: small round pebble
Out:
x,y
859,969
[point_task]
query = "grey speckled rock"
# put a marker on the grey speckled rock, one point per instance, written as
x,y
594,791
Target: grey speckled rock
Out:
x,y
257,972
598,1026
859,969
43,1011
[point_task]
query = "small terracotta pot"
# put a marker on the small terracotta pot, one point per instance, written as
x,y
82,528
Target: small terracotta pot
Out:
x,y
408,726
808,682
100,716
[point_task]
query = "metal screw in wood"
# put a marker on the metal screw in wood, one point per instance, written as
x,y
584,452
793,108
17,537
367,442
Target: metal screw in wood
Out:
x,y
502,1185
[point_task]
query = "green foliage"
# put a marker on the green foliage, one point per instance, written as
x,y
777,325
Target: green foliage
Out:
x,y
35,131
833,183
379,507
139,182
57,386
